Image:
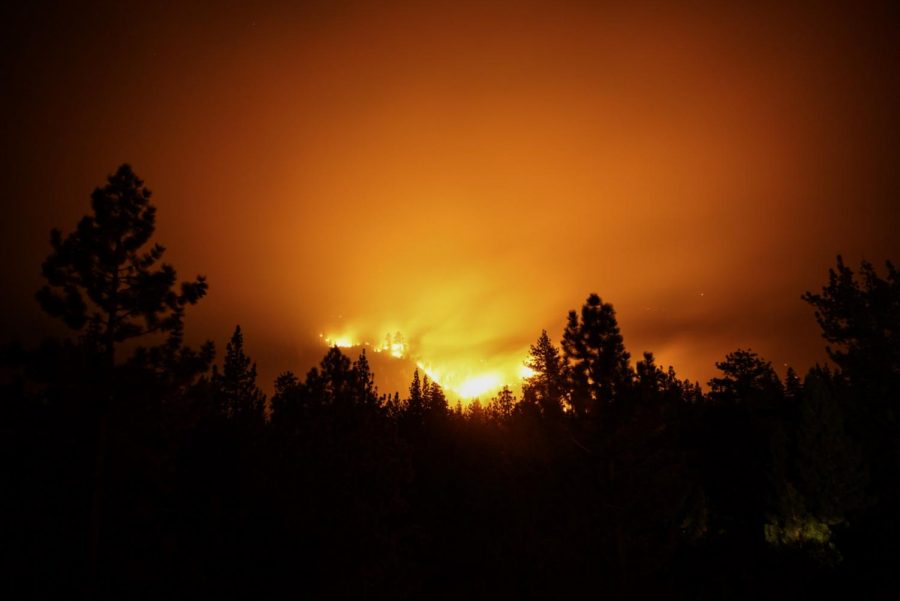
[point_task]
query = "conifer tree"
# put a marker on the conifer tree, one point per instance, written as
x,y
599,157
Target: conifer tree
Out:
x,y
747,377
364,391
793,387
237,394
338,378
415,403
651,379
547,385
434,400
104,283
393,406
860,319
830,467
285,403
596,359
502,405
101,275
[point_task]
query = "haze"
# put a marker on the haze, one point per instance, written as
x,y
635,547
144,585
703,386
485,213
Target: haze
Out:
x,y
466,173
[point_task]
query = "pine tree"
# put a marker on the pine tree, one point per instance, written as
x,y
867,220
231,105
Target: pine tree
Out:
x,y
475,412
547,386
104,283
393,406
236,391
415,405
663,388
433,398
99,274
337,377
364,391
651,379
502,405
830,466
596,359
793,387
860,319
286,402
747,377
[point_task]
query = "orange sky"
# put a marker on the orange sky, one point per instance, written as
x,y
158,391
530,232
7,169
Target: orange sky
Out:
x,y
466,172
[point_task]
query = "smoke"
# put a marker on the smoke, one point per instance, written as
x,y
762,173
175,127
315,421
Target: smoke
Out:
x,y
467,174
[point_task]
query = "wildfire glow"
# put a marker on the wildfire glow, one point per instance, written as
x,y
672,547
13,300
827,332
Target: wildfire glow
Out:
x,y
460,375
393,345
478,386
339,341
433,374
466,387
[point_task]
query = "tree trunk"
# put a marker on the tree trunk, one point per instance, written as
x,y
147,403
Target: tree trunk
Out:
x,y
105,405
97,501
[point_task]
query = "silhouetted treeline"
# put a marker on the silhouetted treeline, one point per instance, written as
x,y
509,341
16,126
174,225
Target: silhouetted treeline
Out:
x,y
164,474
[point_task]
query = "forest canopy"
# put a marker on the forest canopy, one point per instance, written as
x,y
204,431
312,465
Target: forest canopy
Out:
x,y
163,471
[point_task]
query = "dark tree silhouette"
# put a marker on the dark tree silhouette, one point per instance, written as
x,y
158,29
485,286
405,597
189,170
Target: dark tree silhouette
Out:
x,y
102,282
364,392
662,389
861,316
337,383
415,404
547,386
830,469
596,357
99,274
601,478
747,377
337,373
651,379
433,399
793,386
237,395
502,406
286,403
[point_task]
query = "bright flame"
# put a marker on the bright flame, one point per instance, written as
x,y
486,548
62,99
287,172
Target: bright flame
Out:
x,y
466,388
479,385
433,374
393,345
458,375
340,341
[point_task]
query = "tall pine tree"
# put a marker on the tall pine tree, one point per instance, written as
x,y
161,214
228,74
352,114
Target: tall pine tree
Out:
x,y
547,385
236,392
596,359
101,275
103,282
